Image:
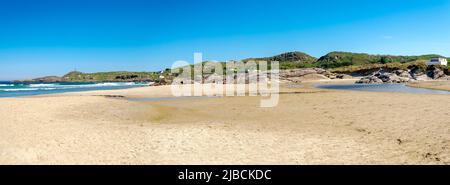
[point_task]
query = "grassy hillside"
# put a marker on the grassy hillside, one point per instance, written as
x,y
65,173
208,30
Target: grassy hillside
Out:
x,y
347,62
421,64
341,59
368,68
289,60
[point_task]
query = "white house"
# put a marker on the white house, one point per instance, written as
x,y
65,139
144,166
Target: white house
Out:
x,y
437,61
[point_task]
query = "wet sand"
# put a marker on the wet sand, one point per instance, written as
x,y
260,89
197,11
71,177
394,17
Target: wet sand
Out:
x,y
438,85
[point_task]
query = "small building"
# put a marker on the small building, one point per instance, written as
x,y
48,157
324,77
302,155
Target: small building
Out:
x,y
438,61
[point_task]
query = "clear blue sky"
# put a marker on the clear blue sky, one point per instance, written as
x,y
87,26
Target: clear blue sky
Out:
x,y
52,37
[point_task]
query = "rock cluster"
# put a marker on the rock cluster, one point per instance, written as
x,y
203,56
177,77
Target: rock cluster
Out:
x,y
298,75
302,72
436,74
293,75
403,76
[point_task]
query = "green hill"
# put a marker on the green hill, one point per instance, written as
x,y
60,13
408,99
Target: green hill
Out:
x,y
341,59
289,60
76,76
346,62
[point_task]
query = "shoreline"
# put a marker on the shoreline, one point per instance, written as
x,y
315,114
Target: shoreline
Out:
x,y
309,84
434,85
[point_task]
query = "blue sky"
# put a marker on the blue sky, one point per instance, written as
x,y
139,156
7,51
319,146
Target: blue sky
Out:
x,y
52,37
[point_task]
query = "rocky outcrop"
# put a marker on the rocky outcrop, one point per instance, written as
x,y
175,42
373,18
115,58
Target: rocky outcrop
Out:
x,y
370,80
436,74
300,72
404,76
403,73
314,77
47,79
381,76
307,71
343,76
297,75
292,75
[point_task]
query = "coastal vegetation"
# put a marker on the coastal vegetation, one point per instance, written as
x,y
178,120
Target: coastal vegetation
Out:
x,y
363,68
341,59
347,62
289,60
111,76
117,76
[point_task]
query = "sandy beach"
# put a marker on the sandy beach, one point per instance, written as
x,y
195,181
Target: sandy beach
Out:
x,y
309,126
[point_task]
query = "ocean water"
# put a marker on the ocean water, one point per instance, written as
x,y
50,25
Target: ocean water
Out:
x,y
402,88
11,89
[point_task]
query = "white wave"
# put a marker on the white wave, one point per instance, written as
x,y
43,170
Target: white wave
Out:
x,y
21,89
26,89
43,85
106,84
112,84
6,85
55,86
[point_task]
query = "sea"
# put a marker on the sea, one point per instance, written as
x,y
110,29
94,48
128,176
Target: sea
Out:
x,y
13,89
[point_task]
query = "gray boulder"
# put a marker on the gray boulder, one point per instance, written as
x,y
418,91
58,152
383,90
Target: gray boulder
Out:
x,y
343,76
370,80
403,73
385,77
436,74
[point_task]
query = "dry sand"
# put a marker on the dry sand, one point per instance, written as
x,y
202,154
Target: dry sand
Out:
x,y
309,126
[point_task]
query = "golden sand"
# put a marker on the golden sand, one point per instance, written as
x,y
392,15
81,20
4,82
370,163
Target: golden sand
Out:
x,y
309,126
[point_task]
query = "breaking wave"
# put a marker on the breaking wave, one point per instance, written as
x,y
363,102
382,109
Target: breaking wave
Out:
x,y
68,86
